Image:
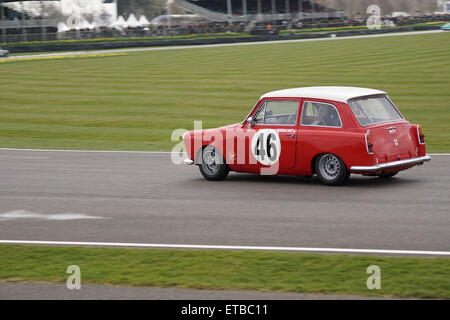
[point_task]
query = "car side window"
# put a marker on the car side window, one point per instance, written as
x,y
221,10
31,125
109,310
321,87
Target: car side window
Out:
x,y
281,112
320,114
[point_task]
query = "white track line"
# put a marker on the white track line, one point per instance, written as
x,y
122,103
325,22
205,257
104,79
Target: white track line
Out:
x,y
222,247
407,33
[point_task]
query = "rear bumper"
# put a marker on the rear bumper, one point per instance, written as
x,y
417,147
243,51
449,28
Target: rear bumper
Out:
x,y
390,165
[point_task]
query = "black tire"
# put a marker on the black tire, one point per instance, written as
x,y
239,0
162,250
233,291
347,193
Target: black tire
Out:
x,y
331,170
212,165
387,175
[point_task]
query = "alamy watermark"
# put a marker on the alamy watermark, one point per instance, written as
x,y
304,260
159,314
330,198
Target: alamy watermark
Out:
x,y
374,280
74,280
374,20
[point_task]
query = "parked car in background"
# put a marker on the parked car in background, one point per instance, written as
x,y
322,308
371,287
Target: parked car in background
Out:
x,y
3,53
328,131
446,27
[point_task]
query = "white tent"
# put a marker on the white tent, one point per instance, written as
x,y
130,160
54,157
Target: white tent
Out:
x,y
120,22
84,24
95,25
110,17
132,22
143,21
62,27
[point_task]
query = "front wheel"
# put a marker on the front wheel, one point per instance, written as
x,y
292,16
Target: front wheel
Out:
x,y
212,165
331,170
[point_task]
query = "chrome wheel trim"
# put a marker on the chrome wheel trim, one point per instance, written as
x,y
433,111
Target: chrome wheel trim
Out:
x,y
211,161
329,166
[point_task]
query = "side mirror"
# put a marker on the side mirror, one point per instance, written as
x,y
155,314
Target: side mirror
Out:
x,y
249,122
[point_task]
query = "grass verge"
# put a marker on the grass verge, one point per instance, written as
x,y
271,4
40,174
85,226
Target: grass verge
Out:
x,y
219,269
126,39
135,101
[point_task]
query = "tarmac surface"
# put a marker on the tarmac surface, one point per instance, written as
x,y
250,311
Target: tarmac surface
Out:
x,y
131,197
50,291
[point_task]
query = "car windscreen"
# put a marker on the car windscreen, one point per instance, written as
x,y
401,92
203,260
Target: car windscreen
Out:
x,y
373,110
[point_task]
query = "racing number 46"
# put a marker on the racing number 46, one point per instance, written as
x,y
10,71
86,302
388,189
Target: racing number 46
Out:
x,y
266,147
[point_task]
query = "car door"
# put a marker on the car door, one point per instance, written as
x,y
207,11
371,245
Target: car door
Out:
x,y
272,138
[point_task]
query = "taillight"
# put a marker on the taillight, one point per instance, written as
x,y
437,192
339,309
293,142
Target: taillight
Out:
x,y
420,134
369,144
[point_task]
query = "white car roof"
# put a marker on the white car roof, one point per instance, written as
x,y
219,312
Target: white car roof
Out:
x,y
341,94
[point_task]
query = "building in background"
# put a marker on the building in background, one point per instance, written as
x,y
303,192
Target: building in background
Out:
x,y
39,20
31,20
443,7
79,14
358,7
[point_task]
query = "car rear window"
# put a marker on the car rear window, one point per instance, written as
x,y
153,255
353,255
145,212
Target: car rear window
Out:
x,y
373,110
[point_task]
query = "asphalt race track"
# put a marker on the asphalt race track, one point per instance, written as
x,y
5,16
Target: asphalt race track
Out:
x,y
145,198
52,291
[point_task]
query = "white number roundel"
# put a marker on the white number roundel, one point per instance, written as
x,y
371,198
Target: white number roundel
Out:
x,y
266,146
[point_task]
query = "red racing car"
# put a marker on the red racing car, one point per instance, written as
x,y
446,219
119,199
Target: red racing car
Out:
x,y
328,131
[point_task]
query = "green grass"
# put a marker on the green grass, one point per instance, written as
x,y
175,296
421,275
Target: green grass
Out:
x,y
125,39
134,101
218,269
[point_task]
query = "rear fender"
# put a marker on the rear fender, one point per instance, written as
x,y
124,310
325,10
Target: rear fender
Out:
x,y
414,132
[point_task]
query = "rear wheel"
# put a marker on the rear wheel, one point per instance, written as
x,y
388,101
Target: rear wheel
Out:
x,y
387,175
331,170
212,166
